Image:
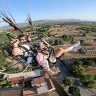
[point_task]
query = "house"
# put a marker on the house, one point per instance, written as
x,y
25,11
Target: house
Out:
x,y
40,85
33,84
17,81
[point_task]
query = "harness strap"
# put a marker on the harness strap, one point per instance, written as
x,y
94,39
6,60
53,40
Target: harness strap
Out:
x,y
51,56
26,50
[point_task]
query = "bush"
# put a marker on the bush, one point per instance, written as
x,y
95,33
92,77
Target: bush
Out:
x,y
4,83
67,38
74,90
78,62
77,70
84,34
67,81
87,78
91,84
91,63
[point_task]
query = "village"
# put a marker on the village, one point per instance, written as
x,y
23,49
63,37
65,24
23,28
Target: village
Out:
x,y
36,81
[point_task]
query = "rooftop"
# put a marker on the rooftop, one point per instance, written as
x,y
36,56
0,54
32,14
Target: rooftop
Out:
x,y
16,80
39,80
35,73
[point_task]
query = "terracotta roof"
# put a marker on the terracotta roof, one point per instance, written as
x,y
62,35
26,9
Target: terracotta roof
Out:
x,y
39,80
16,80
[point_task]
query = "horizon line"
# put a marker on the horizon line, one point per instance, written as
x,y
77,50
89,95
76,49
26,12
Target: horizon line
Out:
x,y
82,20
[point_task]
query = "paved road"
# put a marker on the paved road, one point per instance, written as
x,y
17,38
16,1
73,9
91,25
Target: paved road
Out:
x,y
83,90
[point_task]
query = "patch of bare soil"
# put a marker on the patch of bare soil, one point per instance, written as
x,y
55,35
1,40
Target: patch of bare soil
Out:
x,y
90,70
89,43
54,68
94,90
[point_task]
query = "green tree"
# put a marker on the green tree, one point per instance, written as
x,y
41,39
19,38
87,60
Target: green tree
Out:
x,y
84,34
76,69
91,63
74,90
67,38
91,84
67,81
87,78
81,41
4,83
56,42
78,62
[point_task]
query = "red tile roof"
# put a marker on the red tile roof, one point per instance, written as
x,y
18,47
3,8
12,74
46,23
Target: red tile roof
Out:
x,y
16,80
39,80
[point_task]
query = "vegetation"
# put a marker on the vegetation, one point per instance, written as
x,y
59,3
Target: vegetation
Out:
x,y
74,90
67,81
13,71
78,68
43,29
3,38
55,42
88,29
89,62
33,68
84,34
87,78
67,38
3,62
4,83
92,84
18,70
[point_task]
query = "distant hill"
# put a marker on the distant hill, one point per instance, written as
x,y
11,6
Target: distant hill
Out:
x,y
56,21
43,22
9,27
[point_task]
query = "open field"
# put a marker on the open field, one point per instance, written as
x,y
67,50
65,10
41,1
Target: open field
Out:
x,y
90,70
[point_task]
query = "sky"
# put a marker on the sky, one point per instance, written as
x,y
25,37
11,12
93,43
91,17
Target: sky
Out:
x,y
51,9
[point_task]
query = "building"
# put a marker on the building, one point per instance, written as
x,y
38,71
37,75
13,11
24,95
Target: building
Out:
x,y
17,81
39,85
34,82
88,50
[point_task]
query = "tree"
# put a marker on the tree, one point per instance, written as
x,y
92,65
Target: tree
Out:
x,y
91,84
4,83
87,78
67,81
56,42
67,38
78,62
76,69
74,90
84,34
92,63
81,41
